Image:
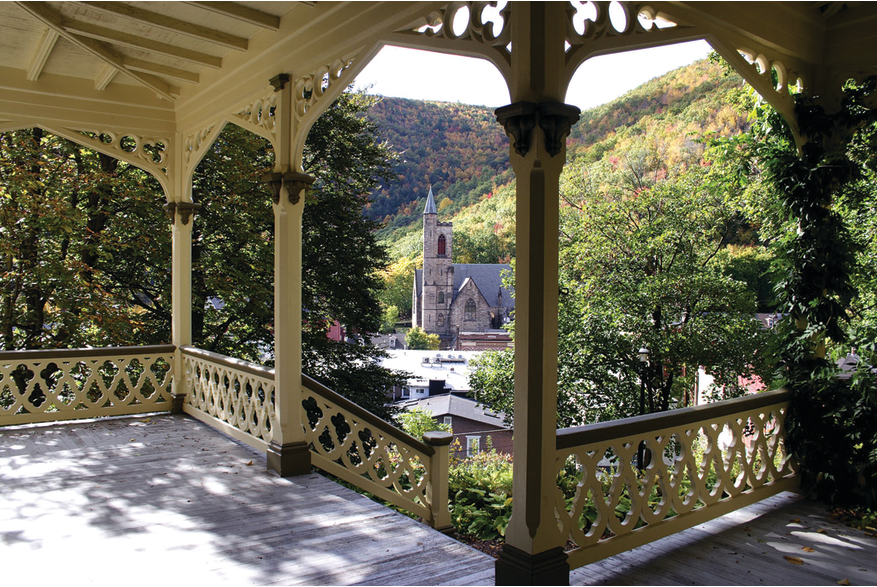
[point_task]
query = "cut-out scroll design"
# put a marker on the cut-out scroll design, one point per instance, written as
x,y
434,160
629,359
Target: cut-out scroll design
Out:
x,y
597,27
149,153
310,88
233,391
469,23
359,448
49,386
620,489
197,142
259,116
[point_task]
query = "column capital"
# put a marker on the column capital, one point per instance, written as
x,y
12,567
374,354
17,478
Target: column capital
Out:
x,y
185,210
293,181
554,118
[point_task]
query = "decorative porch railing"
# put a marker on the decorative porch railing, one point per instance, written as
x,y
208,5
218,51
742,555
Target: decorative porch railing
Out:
x,y
698,464
346,440
230,394
55,385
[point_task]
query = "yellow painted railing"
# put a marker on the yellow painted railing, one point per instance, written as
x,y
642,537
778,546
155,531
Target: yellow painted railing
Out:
x,y
56,385
346,440
625,483
230,394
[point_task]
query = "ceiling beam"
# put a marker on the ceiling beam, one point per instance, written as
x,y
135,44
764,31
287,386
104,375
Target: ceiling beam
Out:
x,y
105,76
241,13
53,20
182,75
136,42
50,37
168,23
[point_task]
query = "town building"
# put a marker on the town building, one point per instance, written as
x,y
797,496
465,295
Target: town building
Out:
x,y
450,298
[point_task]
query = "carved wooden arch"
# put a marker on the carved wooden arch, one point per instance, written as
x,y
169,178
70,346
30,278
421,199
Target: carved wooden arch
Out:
x,y
162,169
434,32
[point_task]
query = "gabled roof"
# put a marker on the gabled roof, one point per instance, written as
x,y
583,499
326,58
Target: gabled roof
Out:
x,y
488,279
454,405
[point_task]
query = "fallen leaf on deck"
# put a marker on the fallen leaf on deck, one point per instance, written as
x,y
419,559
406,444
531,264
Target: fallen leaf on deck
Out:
x,y
794,560
132,440
796,521
843,582
821,531
807,549
250,463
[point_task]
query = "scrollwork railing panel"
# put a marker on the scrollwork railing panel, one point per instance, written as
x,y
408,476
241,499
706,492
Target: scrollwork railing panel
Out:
x,y
697,464
358,447
57,385
235,392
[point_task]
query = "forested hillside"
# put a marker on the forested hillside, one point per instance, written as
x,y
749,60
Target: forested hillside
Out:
x,y
661,124
457,149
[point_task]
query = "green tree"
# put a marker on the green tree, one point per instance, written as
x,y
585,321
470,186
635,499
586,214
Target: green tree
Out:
x,y
70,222
639,268
388,319
112,286
418,339
418,421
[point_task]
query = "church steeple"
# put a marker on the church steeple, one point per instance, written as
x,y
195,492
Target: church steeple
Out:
x,y
430,204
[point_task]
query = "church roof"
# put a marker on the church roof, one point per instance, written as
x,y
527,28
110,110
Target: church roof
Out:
x,y
488,278
430,203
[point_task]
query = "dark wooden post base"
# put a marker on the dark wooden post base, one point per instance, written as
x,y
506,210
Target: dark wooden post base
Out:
x,y
289,460
177,404
516,567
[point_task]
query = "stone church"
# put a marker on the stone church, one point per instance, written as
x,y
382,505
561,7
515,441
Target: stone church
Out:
x,y
450,298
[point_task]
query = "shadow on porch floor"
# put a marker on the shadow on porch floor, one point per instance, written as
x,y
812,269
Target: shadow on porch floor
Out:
x,y
166,499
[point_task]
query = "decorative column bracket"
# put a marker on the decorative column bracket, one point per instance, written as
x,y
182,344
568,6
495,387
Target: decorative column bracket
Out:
x,y
295,182
554,118
185,209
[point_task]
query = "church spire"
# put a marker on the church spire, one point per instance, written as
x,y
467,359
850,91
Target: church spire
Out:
x,y
430,204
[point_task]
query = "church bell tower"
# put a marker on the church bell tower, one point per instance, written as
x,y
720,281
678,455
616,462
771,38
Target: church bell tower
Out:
x,y
438,273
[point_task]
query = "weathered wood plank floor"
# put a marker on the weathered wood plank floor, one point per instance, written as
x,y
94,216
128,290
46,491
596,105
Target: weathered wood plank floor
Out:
x,y
169,500
747,547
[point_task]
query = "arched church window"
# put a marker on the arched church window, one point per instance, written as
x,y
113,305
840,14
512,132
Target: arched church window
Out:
x,y
440,321
470,309
441,297
441,245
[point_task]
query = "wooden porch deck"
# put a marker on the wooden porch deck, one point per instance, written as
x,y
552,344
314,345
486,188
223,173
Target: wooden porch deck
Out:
x,y
166,499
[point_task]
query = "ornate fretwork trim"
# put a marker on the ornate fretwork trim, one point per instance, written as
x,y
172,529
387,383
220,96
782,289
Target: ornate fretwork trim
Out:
x,y
259,116
185,210
591,31
197,143
436,30
293,181
310,88
149,153
554,118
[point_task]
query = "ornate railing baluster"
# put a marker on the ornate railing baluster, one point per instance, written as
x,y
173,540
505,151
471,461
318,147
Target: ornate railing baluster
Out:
x,y
697,464
57,385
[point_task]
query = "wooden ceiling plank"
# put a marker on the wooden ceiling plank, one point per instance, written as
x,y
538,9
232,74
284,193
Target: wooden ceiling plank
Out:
x,y
104,78
171,24
48,16
241,13
115,37
161,70
50,37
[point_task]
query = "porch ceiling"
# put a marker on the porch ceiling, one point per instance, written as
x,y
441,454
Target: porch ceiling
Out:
x,y
169,66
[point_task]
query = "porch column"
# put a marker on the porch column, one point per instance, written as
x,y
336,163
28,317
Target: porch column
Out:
x,y
537,123
181,211
288,452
